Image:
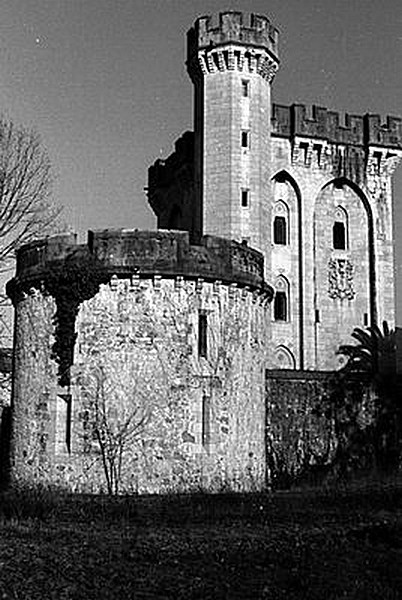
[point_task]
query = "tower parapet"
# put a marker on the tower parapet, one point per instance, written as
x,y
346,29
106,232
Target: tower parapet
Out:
x,y
126,252
239,42
357,130
234,27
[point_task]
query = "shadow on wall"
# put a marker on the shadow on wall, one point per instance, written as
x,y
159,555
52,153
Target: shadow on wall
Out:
x,y
5,435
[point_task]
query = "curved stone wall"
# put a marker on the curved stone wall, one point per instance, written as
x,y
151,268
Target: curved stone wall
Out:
x,y
158,351
127,251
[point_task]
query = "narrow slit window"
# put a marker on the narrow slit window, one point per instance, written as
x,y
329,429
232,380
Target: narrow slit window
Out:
x,y
365,319
245,88
339,236
280,232
63,422
202,334
317,315
244,139
280,306
244,198
304,147
205,421
318,149
68,422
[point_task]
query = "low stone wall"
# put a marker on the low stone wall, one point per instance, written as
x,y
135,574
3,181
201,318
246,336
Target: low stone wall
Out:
x,y
312,419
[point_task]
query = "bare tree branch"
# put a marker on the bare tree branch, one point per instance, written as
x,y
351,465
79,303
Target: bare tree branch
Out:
x,y
26,207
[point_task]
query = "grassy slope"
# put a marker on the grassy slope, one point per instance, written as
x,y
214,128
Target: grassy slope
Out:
x,y
285,545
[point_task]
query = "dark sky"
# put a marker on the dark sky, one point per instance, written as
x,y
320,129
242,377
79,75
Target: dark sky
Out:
x,y
105,84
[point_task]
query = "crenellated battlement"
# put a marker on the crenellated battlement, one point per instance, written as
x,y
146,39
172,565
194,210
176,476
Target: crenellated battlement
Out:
x,y
235,27
237,42
384,134
126,252
321,123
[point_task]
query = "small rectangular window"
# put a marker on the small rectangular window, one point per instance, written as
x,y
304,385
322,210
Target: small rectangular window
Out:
x,y
244,139
202,333
365,319
244,198
317,315
245,88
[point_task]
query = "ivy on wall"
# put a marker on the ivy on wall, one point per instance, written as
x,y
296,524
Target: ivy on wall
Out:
x,y
70,282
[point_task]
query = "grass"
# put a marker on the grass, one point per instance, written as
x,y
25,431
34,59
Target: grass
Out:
x,y
302,544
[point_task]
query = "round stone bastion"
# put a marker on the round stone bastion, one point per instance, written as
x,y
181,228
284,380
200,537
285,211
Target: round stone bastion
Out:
x,y
139,362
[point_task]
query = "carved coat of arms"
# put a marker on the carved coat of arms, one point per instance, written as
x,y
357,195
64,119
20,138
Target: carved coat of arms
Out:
x,y
340,279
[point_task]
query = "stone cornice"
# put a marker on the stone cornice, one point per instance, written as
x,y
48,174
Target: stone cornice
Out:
x,y
234,58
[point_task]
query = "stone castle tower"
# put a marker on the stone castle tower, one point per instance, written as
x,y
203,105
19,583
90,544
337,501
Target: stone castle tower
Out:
x,y
141,345
309,190
169,334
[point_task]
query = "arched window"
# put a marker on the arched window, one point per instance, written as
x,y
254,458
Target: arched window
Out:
x,y
281,221
281,300
339,236
340,230
280,230
281,307
284,358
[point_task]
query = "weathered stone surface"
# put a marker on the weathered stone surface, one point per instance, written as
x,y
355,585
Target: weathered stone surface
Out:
x,y
166,334
192,421
311,161
308,421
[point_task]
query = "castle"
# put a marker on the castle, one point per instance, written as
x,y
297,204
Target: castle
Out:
x,y
140,357
310,192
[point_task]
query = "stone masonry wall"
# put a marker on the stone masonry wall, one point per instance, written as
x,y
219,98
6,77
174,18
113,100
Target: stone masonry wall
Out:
x,y
342,278
359,180
147,382
312,422
232,66
232,61
194,422
35,388
204,416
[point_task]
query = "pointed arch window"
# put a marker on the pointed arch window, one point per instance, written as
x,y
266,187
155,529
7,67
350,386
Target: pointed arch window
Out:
x,y
340,230
280,230
281,307
339,236
281,300
281,223
284,358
